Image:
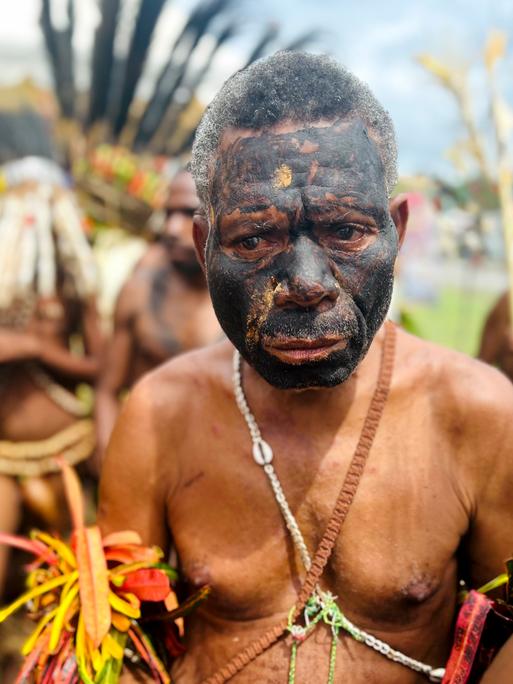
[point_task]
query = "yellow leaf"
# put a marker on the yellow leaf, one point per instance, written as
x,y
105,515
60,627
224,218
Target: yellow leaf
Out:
x,y
63,550
125,568
94,583
123,607
29,644
96,659
112,648
67,600
80,639
29,595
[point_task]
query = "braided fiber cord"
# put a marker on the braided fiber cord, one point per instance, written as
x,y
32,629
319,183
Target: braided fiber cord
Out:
x,y
345,498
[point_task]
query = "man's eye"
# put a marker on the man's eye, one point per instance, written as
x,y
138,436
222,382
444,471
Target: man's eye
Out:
x,y
251,243
349,233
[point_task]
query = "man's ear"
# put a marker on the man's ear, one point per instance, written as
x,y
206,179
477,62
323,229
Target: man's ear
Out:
x,y
399,212
200,235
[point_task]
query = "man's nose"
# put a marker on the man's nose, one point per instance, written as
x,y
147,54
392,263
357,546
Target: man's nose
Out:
x,y
176,223
309,282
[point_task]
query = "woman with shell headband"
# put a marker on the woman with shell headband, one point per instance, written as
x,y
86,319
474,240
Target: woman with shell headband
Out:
x,y
47,306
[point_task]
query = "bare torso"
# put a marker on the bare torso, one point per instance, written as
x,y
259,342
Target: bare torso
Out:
x,y
396,564
159,314
168,315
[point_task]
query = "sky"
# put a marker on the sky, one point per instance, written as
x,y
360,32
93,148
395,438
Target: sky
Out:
x,y
377,40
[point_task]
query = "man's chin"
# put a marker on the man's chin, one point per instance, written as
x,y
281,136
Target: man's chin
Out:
x,y
295,375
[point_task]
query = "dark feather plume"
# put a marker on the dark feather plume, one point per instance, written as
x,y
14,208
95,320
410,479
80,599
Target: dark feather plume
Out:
x,y
103,60
60,51
175,68
149,13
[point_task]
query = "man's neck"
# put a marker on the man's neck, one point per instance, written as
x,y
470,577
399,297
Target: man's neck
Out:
x,y
193,277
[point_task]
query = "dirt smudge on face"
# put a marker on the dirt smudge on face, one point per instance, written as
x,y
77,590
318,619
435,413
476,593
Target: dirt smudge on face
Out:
x,y
261,305
211,215
282,176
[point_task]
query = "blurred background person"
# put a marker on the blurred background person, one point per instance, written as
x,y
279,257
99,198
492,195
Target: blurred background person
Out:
x,y
163,309
496,345
49,334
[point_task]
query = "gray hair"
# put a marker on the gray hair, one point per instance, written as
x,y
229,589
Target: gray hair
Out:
x,y
293,86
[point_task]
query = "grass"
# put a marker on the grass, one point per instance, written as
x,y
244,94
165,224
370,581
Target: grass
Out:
x,y
454,320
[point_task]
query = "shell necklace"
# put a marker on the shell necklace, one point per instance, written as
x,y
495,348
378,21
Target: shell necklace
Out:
x,y
322,605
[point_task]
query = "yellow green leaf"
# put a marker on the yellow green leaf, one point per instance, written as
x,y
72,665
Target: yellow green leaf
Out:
x,y
111,648
493,584
97,659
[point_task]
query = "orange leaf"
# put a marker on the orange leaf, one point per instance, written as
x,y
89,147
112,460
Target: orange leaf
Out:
x,y
132,553
148,584
171,601
121,622
122,538
93,582
73,494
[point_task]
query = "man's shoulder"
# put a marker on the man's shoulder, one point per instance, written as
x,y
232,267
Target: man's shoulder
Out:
x,y
186,380
466,386
154,258
154,255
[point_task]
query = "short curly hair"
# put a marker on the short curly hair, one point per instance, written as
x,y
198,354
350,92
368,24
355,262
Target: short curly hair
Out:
x,y
292,86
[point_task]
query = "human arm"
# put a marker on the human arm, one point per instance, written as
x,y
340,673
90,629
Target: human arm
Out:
x,y
115,369
135,479
18,346
490,439
500,670
489,540
86,366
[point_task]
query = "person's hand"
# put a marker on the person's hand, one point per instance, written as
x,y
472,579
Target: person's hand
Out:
x,y
16,346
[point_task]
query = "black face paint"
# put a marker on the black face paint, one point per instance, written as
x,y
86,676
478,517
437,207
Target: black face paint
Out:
x,y
301,251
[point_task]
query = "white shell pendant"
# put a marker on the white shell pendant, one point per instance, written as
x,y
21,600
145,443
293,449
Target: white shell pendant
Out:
x,y
262,452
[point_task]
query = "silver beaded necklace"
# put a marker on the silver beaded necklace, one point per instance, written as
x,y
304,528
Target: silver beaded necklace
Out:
x,y
322,606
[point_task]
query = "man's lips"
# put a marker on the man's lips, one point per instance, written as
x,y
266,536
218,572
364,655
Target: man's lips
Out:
x,y
302,350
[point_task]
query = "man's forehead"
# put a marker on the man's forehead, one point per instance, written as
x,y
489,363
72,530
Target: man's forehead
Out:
x,y
182,191
339,156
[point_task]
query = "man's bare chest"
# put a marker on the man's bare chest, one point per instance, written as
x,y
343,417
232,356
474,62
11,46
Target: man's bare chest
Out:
x,y
394,560
173,322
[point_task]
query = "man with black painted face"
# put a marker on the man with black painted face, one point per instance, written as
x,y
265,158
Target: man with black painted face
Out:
x,y
237,453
